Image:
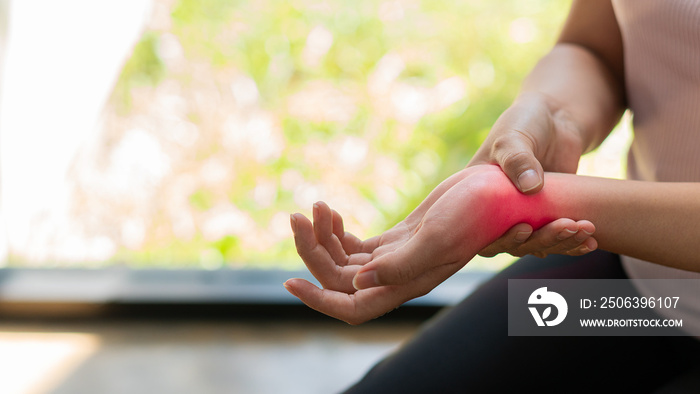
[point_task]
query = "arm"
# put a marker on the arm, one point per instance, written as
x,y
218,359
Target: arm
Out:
x,y
653,221
569,102
640,219
567,106
582,78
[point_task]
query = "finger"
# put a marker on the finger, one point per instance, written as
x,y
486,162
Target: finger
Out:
x,y
586,226
318,260
323,229
511,240
563,236
575,245
514,152
587,245
360,258
352,308
368,303
351,244
581,250
548,236
571,243
338,226
359,252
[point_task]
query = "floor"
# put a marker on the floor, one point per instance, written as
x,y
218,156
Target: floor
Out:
x,y
191,357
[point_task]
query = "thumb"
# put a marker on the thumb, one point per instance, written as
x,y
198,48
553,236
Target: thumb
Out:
x,y
404,264
514,154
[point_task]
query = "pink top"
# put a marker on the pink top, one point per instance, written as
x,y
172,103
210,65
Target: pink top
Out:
x,y
661,41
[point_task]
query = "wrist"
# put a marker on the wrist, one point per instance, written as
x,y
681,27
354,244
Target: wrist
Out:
x,y
501,205
534,209
505,206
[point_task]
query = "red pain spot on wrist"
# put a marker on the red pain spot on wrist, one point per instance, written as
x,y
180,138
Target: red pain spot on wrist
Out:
x,y
510,207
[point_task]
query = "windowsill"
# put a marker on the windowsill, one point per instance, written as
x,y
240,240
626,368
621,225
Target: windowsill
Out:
x,y
55,292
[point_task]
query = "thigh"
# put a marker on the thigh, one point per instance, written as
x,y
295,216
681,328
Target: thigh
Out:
x,y
467,348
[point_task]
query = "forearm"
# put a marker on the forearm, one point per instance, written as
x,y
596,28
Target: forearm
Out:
x,y
580,91
657,222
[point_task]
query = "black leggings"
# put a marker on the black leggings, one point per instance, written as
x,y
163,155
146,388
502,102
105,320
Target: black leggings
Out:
x,y
466,348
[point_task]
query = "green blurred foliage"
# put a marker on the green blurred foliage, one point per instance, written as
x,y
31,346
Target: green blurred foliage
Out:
x,y
475,41
144,67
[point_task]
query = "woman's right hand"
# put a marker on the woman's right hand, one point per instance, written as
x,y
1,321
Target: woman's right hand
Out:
x,y
530,137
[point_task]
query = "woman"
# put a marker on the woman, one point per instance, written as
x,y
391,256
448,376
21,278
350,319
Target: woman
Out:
x,y
611,55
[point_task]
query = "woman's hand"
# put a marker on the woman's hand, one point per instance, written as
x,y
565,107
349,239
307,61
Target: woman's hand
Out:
x,y
562,236
416,255
532,136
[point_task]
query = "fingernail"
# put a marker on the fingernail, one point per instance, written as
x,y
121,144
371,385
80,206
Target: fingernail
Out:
x,y
293,223
289,288
528,180
566,233
315,212
584,249
522,236
365,280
